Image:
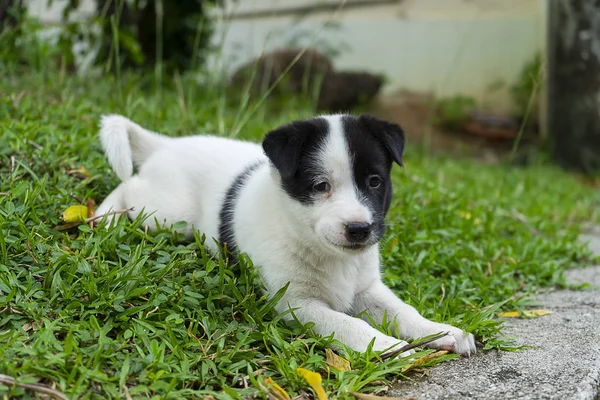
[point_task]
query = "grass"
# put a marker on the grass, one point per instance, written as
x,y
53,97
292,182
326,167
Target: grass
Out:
x,y
124,314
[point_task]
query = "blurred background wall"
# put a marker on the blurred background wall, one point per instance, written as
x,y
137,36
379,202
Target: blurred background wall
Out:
x,y
475,48
446,47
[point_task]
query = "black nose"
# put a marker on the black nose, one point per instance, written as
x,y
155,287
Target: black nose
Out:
x,y
357,232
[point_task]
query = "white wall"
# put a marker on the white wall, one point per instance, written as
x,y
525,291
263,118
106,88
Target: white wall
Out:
x,y
443,46
53,14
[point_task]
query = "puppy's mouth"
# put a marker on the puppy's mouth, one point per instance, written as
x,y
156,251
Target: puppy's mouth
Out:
x,y
355,246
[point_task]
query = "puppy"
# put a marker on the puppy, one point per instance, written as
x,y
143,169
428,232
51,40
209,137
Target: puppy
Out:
x,y
308,208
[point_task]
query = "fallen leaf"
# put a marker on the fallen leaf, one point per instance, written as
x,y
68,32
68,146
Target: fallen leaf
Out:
x,y
363,396
314,380
277,391
91,205
76,213
31,326
465,214
81,173
528,314
422,360
336,362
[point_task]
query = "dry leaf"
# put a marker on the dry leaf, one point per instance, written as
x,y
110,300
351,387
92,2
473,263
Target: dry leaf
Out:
x,y
314,380
336,362
91,205
277,391
76,213
81,173
420,361
529,314
30,326
362,396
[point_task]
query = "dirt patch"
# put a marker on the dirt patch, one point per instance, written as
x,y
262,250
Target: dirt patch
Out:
x,y
415,113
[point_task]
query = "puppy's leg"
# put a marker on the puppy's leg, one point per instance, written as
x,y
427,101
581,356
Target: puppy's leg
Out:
x,y
115,201
354,332
378,300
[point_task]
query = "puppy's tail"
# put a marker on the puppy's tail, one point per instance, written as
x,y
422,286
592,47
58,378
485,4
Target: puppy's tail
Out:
x,y
126,144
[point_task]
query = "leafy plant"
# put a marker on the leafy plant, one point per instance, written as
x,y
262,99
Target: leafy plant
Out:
x,y
453,112
526,85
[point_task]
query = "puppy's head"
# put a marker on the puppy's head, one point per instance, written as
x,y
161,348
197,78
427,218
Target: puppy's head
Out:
x,y
335,172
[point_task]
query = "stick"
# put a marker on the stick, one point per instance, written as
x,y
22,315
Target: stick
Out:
x,y
97,217
410,346
36,387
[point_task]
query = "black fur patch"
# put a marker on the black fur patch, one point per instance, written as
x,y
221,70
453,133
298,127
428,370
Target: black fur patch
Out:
x,y
291,149
373,145
226,233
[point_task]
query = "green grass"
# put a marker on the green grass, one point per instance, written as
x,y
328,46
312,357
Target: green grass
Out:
x,y
117,313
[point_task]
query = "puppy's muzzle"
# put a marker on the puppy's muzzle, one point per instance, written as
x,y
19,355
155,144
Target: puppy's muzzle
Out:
x,y
358,232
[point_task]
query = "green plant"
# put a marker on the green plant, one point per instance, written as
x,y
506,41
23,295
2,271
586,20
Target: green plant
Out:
x,y
144,34
453,112
12,15
527,84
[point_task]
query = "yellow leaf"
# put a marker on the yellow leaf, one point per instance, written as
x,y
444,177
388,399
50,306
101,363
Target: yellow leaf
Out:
x,y
314,380
420,361
80,172
277,390
336,362
424,359
529,314
363,396
75,213
465,214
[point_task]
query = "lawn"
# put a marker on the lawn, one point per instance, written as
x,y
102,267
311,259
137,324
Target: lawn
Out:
x,y
121,313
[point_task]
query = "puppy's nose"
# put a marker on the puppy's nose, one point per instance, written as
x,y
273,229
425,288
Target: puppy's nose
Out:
x,y
357,232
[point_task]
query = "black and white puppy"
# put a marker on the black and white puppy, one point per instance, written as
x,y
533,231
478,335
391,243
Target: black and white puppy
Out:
x,y
308,207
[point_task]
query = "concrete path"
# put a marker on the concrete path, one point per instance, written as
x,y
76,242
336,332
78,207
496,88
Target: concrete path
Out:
x,y
565,363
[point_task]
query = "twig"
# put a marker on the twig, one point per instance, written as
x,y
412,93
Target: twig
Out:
x,y
127,394
520,217
97,217
76,198
36,387
152,311
28,246
34,144
90,220
3,193
410,346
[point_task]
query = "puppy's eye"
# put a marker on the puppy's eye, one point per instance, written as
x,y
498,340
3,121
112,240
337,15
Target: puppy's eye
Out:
x,y
374,182
322,187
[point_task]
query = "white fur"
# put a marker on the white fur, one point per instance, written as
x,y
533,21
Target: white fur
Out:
x,y
186,179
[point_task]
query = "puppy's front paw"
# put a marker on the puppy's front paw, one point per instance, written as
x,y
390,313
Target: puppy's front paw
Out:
x,y
457,341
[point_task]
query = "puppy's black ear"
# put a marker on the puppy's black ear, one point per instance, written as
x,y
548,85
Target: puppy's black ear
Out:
x,y
284,145
391,135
